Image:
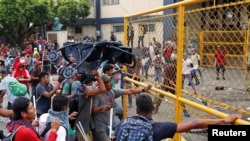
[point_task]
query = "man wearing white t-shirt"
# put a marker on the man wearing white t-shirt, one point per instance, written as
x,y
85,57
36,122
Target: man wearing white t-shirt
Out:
x,y
196,62
187,66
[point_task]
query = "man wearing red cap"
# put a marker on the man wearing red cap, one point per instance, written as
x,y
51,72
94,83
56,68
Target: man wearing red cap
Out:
x,y
22,75
34,75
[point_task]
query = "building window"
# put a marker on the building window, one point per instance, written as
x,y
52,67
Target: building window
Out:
x,y
110,2
117,28
78,29
149,27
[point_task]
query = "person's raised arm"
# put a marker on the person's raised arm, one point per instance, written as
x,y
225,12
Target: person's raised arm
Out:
x,y
101,88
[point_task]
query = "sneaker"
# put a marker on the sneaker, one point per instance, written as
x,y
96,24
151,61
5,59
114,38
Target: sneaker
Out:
x,y
218,78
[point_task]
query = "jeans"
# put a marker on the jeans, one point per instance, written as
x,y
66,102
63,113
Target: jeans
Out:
x,y
188,76
100,134
145,70
158,74
117,112
140,40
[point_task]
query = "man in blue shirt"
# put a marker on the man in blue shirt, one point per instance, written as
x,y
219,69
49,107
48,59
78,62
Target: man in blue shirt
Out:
x,y
44,92
162,130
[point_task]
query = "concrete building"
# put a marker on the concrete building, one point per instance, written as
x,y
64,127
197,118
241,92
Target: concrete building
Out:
x,y
108,15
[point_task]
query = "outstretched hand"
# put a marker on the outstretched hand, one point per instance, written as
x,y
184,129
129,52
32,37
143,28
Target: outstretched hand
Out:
x,y
148,88
231,118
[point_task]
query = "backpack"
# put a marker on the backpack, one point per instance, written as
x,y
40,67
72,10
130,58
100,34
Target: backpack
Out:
x,y
17,88
136,128
10,137
47,128
158,62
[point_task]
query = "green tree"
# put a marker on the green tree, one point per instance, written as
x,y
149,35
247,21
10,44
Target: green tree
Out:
x,y
16,15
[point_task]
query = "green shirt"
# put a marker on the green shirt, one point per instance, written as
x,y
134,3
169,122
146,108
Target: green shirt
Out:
x,y
113,82
66,89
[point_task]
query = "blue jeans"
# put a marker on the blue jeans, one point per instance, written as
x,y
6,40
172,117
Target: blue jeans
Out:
x,y
117,112
188,76
158,74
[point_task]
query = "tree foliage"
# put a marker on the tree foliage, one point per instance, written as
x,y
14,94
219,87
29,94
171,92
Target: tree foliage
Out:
x,y
16,15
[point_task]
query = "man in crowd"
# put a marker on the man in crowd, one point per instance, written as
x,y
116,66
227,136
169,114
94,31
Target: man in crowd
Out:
x,y
35,77
162,130
196,60
130,34
103,103
59,110
141,33
113,37
44,92
24,114
85,102
220,62
4,87
109,70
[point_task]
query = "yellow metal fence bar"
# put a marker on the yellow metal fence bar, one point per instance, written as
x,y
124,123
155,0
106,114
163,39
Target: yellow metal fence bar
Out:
x,y
125,97
180,43
188,102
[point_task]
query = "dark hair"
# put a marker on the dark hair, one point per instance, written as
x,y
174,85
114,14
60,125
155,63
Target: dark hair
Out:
x,y
20,105
144,103
107,67
58,102
42,75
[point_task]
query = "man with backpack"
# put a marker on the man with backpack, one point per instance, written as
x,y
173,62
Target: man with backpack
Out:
x,y
22,127
143,128
103,103
59,110
5,88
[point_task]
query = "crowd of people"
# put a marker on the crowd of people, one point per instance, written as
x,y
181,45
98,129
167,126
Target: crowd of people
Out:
x,y
62,107
162,60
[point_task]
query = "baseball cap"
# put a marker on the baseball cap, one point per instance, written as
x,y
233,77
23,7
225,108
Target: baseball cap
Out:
x,y
90,78
106,78
4,71
38,63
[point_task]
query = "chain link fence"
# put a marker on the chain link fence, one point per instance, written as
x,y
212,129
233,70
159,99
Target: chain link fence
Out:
x,y
210,32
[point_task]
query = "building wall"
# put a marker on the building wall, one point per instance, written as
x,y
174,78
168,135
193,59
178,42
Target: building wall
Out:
x,y
88,30
112,15
127,7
